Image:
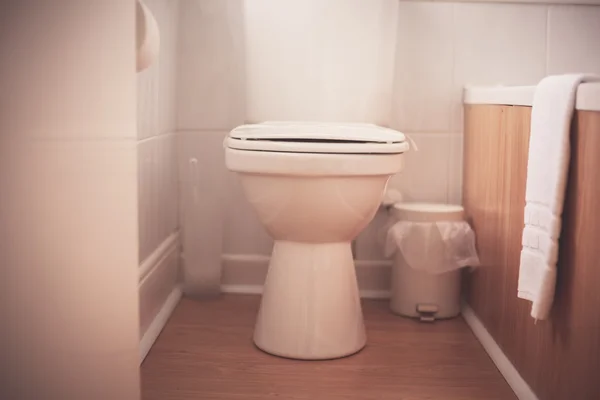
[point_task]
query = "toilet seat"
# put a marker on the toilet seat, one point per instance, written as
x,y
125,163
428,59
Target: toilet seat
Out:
x,y
316,137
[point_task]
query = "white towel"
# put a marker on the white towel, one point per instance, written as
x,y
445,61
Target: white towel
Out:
x,y
547,171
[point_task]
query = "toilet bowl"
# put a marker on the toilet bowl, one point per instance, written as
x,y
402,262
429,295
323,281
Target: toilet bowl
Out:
x,y
314,186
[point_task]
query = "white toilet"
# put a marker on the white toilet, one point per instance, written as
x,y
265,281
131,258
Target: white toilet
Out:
x,y
315,186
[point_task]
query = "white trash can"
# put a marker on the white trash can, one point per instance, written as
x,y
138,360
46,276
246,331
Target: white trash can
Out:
x,y
430,243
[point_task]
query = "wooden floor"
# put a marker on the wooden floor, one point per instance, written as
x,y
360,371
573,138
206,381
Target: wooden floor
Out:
x,y
206,352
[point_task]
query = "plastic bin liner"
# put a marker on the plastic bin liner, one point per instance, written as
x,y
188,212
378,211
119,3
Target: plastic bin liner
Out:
x,y
433,247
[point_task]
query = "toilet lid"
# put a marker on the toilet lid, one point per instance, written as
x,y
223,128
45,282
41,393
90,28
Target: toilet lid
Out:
x,y
317,137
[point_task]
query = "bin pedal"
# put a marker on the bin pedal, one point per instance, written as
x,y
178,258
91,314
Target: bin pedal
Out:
x,y
427,312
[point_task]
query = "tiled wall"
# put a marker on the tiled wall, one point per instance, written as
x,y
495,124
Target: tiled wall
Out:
x,y
391,62
210,103
444,46
320,60
157,172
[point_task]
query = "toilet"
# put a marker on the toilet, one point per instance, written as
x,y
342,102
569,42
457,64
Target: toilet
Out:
x,y
314,186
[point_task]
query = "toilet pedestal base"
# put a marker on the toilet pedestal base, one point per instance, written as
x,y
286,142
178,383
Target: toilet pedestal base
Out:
x,y
310,307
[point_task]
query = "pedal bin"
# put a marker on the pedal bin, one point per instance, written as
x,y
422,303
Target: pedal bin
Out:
x,y
426,293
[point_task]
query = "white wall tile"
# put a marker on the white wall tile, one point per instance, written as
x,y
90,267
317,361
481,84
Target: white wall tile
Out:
x,y
156,85
153,195
144,216
425,174
573,39
423,96
320,60
171,184
157,192
497,44
244,234
455,171
168,19
156,102
147,102
369,244
202,208
210,82
167,183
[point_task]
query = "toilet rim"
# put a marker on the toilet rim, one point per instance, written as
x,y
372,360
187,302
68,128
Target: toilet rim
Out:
x,y
312,164
323,146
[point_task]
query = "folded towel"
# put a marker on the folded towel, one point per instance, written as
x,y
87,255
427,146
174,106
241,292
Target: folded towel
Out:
x,y
547,171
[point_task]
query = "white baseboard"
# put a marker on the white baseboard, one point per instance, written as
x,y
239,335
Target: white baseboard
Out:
x,y
153,261
506,368
159,322
159,291
246,273
258,289
242,289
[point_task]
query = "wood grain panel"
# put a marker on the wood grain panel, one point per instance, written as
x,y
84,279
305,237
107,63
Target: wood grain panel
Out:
x,y
559,358
483,198
206,352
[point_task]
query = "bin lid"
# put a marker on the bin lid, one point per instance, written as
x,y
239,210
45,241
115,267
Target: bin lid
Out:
x,y
428,212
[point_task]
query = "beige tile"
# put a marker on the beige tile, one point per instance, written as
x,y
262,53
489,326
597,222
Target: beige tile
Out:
x,y
497,44
422,98
210,81
315,60
573,36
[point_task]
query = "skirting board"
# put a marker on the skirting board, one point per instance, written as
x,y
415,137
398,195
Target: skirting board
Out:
x,y
159,291
158,323
245,274
506,368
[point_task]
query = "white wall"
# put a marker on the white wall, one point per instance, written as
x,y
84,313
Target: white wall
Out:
x,y
320,60
395,63
211,102
474,44
157,168
68,201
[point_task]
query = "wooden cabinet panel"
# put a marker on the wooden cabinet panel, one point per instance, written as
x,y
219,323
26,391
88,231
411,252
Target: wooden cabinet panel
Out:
x,y
485,150
560,357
